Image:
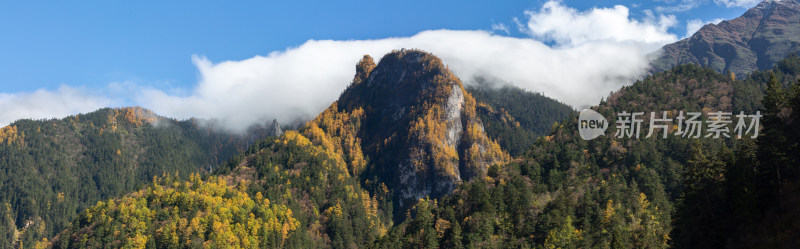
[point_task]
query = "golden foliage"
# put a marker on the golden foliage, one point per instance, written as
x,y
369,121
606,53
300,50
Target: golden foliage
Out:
x,y
10,135
224,218
112,121
333,133
643,202
136,116
470,106
296,138
139,242
482,151
485,106
363,69
336,133
133,116
334,211
441,227
432,129
608,212
40,244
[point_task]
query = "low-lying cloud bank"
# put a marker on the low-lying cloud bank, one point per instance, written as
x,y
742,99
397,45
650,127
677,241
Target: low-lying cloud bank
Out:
x,y
576,57
44,104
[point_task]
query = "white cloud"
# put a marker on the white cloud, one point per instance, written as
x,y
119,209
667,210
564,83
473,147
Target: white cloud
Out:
x,y
500,27
44,104
590,54
676,8
598,51
566,26
680,7
737,3
522,28
694,25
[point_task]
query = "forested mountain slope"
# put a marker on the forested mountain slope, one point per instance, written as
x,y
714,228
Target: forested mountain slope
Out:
x,y
514,117
51,170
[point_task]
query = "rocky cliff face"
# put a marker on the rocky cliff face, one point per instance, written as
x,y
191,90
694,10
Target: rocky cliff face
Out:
x,y
419,127
275,129
760,37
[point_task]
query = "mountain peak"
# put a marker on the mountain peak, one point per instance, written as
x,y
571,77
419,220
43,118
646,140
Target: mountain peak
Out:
x,y
402,78
758,39
408,60
419,125
769,3
363,68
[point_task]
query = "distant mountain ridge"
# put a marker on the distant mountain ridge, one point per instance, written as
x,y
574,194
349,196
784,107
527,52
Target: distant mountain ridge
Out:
x,y
762,36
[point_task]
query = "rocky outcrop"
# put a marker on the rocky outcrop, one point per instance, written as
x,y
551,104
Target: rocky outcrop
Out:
x,y
420,128
275,129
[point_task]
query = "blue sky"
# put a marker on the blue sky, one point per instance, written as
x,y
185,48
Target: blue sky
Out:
x,y
90,45
93,43
47,44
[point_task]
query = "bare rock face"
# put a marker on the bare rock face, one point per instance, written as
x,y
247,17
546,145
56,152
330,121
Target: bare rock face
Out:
x,y
412,184
420,129
275,129
758,39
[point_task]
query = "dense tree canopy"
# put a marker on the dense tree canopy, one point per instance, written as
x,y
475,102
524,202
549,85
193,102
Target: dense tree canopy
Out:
x,y
50,170
516,117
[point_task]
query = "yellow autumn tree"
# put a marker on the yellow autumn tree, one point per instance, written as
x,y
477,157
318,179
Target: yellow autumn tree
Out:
x,y
189,214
